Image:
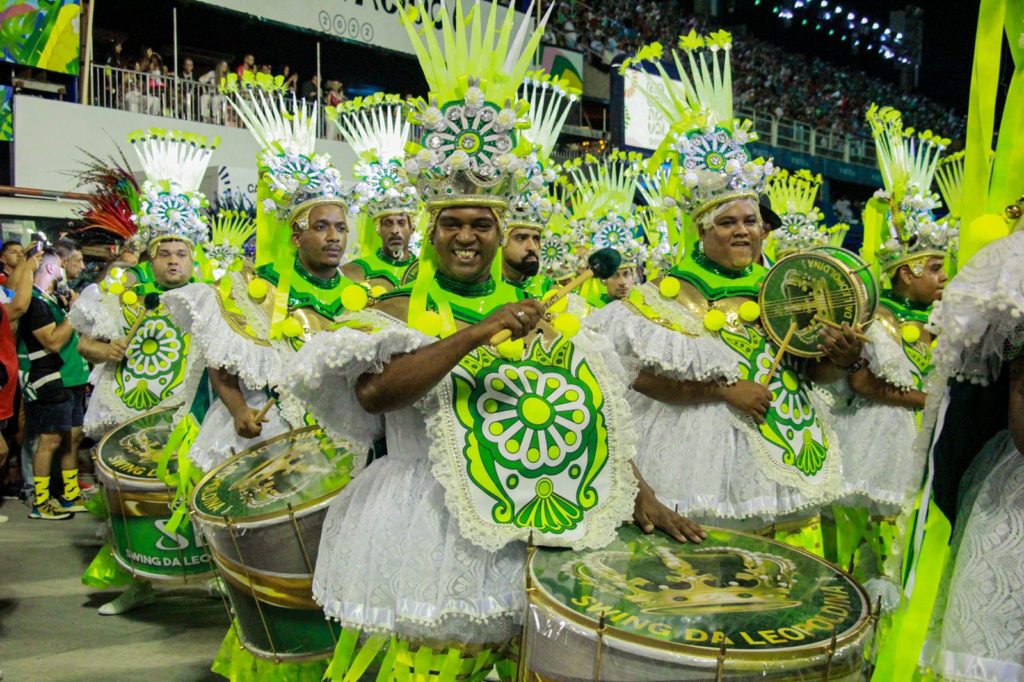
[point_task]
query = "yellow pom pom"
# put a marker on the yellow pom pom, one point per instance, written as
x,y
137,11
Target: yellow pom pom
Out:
x,y
258,289
116,288
559,306
714,319
115,273
670,288
428,323
567,324
983,230
291,327
354,298
377,291
750,311
129,297
911,333
513,350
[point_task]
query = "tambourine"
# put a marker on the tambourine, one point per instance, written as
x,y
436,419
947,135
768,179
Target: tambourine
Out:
x,y
809,290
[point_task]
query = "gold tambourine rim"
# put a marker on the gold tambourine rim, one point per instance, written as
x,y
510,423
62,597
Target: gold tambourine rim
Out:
x,y
300,510
857,286
539,595
105,469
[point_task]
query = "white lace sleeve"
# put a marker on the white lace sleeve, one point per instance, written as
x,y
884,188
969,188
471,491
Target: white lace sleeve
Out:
x,y
97,314
324,372
196,310
888,362
663,350
981,312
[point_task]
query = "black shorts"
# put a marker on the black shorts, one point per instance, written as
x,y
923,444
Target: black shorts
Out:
x,y
58,417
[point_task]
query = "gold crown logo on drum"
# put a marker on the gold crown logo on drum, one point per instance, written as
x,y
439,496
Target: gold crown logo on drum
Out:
x,y
277,478
705,145
667,582
908,160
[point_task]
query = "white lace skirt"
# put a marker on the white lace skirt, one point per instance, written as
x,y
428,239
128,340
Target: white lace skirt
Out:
x,y
391,559
700,460
881,468
978,624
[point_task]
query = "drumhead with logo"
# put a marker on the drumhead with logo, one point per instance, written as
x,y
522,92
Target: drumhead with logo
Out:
x,y
824,283
761,598
297,470
131,451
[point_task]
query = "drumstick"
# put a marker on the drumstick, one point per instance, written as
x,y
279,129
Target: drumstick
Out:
x,y
602,264
150,302
778,356
830,323
263,410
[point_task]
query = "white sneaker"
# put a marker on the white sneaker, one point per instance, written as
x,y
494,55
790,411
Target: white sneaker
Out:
x,y
139,594
3,519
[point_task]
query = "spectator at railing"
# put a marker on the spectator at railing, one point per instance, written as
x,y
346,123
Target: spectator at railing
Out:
x,y
248,64
311,89
212,104
291,79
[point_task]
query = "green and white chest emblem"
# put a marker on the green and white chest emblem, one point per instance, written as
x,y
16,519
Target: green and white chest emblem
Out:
x,y
793,446
920,361
154,364
531,446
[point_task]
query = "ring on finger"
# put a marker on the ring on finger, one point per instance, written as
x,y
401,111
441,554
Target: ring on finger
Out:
x,y
520,314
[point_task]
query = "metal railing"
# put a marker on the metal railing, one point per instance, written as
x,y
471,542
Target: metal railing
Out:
x,y
194,100
172,97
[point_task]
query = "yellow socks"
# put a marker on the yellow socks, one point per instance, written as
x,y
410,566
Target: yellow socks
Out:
x,y
42,485
71,489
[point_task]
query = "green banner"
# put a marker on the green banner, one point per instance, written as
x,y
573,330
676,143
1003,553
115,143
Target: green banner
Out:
x,y
42,33
6,113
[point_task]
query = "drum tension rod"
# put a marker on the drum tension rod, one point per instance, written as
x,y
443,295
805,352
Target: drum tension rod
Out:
x,y
531,549
720,667
831,653
599,659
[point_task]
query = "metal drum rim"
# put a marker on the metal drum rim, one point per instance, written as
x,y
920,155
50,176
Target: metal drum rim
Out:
x,y
267,519
536,594
869,314
102,468
860,293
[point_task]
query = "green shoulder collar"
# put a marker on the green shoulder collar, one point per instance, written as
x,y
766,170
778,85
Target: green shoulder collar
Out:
x,y
903,308
716,282
323,296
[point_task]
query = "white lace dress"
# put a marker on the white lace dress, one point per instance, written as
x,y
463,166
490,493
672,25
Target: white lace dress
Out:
x,y
100,315
215,345
882,471
977,628
391,556
700,459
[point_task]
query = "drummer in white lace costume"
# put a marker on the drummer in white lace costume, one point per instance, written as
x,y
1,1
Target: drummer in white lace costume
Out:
x,y
726,449
155,366
877,408
424,549
977,630
246,327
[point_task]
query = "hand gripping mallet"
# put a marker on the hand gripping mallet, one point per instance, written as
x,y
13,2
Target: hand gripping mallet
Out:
x,y
150,302
602,264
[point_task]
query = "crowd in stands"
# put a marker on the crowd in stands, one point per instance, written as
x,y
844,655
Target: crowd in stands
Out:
x,y
766,77
146,84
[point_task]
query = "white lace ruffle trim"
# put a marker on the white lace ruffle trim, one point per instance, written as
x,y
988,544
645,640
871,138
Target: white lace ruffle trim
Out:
x,y
195,309
662,350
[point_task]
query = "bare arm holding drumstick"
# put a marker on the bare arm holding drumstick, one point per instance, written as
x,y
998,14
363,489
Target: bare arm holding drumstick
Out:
x,y
409,377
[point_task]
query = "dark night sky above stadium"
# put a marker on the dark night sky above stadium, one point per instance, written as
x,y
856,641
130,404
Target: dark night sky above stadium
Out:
x,y
949,28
